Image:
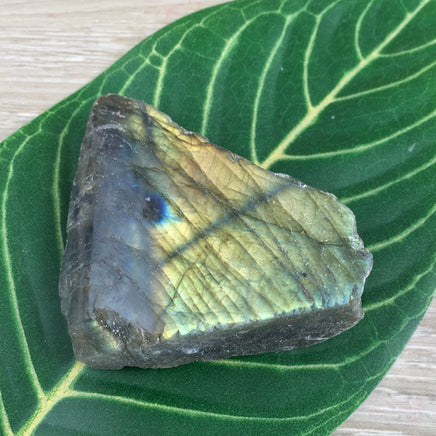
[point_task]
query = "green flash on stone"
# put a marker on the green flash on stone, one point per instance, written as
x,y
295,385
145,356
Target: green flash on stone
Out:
x,y
179,250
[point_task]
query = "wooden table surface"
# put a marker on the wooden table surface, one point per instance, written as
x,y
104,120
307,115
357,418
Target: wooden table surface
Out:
x,y
50,48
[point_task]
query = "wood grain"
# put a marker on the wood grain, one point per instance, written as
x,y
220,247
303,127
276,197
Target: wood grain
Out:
x,y
49,49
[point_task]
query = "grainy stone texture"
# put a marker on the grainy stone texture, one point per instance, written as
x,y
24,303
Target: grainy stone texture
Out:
x,y
179,250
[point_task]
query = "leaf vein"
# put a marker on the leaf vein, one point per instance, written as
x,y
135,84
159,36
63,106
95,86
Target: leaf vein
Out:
x,y
279,152
24,346
336,366
410,50
261,84
360,148
230,44
401,292
60,391
186,411
405,233
358,28
380,188
5,425
388,86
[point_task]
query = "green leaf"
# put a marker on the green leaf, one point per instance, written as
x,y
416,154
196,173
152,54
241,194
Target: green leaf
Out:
x,y
339,94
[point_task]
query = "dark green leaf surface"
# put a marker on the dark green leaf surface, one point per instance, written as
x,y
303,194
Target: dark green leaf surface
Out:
x,y
339,94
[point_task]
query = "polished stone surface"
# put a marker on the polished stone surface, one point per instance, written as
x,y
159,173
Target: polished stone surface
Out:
x,y
179,250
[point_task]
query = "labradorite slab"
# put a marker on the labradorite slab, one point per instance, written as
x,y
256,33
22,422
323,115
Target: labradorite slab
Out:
x,y
179,250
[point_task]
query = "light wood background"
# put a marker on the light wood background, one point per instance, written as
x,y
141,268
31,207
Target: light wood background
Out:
x,y
50,48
